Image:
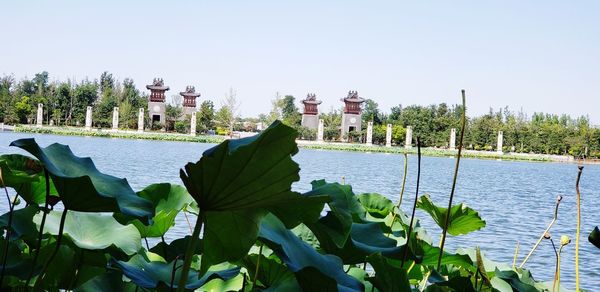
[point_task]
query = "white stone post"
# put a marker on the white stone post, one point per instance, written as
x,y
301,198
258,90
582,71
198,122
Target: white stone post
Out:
x,y
40,115
115,123
500,140
88,118
452,139
369,141
141,120
320,131
193,124
388,136
408,140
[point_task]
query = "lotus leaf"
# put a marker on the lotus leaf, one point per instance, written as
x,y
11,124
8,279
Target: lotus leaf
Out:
x,y
151,274
463,220
93,231
313,270
81,186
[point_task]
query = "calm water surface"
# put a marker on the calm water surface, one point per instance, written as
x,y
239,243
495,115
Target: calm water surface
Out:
x,y
515,198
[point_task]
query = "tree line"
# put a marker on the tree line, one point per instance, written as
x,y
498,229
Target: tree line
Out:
x,y
540,133
65,104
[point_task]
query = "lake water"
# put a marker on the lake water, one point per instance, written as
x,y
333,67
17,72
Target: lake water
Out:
x,y
515,198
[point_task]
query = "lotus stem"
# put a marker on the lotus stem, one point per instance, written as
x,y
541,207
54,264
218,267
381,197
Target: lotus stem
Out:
x,y
557,264
188,220
173,271
558,199
11,208
162,238
41,233
403,183
460,144
40,282
257,266
514,263
401,194
578,231
412,217
189,253
147,245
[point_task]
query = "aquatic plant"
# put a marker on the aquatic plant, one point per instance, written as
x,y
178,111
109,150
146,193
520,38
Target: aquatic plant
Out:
x,y
83,230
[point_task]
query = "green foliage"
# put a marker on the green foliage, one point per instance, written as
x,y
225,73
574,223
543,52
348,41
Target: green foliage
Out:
x,y
253,231
594,237
463,220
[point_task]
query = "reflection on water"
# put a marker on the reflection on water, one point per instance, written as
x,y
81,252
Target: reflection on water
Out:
x,y
515,198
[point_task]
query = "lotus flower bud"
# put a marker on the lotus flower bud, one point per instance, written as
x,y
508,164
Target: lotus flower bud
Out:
x,y
547,235
564,240
558,199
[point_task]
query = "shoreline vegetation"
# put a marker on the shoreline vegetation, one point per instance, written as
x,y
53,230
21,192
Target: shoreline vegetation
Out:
x,y
306,144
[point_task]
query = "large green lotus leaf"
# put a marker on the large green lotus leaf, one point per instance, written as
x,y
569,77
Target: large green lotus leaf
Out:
x,y
594,237
152,274
462,284
248,173
271,274
523,284
236,183
365,239
345,209
168,199
62,268
313,270
234,284
228,235
18,261
93,231
34,192
376,205
19,169
176,248
109,281
432,255
388,277
81,186
463,220
25,175
22,224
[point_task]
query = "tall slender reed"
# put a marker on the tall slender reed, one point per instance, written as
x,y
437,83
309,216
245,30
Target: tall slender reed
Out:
x,y
412,217
558,199
578,231
401,194
460,145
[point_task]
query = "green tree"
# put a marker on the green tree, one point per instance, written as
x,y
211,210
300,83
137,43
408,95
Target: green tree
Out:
x,y
289,111
206,116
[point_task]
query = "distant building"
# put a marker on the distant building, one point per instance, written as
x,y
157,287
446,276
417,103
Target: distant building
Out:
x,y
189,100
310,116
351,117
156,105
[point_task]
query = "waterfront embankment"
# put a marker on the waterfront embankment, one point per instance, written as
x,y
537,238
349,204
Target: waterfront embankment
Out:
x,y
336,146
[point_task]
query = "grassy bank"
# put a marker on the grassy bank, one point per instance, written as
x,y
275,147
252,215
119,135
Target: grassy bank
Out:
x,y
125,134
162,136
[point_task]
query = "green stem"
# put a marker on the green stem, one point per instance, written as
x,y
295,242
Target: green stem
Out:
x,y
516,255
557,263
412,217
41,233
578,231
401,194
544,233
257,266
189,253
11,206
460,144
40,282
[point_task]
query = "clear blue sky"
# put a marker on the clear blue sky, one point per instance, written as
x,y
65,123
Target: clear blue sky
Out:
x,y
534,55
